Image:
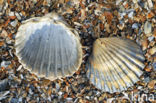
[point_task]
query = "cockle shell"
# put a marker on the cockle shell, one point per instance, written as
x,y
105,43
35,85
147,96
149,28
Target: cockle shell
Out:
x,y
48,47
115,64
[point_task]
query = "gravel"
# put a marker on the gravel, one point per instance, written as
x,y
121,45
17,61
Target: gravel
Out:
x,y
132,19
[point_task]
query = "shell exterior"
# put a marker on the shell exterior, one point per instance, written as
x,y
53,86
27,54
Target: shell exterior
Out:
x,y
115,64
48,47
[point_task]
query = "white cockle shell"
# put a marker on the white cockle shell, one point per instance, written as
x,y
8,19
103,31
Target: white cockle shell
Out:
x,y
48,47
115,64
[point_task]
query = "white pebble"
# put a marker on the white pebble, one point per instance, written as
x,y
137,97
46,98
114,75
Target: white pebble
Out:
x,y
147,27
11,14
130,15
19,68
69,99
18,16
135,26
150,4
14,23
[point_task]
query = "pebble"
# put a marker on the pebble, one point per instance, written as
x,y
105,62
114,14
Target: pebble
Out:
x,y
146,79
152,51
20,99
1,4
154,66
140,87
18,16
151,84
147,28
11,14
135,26
4,33
5,63
130,15
14,23
150,38
4,94
3,84
135,1
87,97
19,68
57,86
14,100
150,4
69,99
144,43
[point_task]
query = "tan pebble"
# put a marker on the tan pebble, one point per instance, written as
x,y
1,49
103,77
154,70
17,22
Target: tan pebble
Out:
x,y
152,43
49,91
4,33
150,15
25,94
144,44
151,84
46,82
1,43
148,69
155,59
154,32
152,51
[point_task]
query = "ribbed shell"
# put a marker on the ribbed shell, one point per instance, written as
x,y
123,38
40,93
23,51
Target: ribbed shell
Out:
x,y
115,64
48,47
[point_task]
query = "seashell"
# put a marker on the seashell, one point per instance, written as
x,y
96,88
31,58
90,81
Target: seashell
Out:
x,y
115,64
48,47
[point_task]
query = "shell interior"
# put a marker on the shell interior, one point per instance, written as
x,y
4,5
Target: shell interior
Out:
x,y
48,47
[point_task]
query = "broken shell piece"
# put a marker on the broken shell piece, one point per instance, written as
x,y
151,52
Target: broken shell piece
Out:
x,y
115,64
48,47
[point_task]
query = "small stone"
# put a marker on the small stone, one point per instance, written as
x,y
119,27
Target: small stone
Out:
x,y
154,66
14,23
135,26
4,33
14,100
151,84
150,38
11,14
30,92
147,28
130,15
135,1
150,4
20,99
21,76
148,69
139,87
60,93
5,63
87,97
144,44
147,79
152,51
1,43
69,99
3,95
19,68
150,15
18,16
57,86
46,82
